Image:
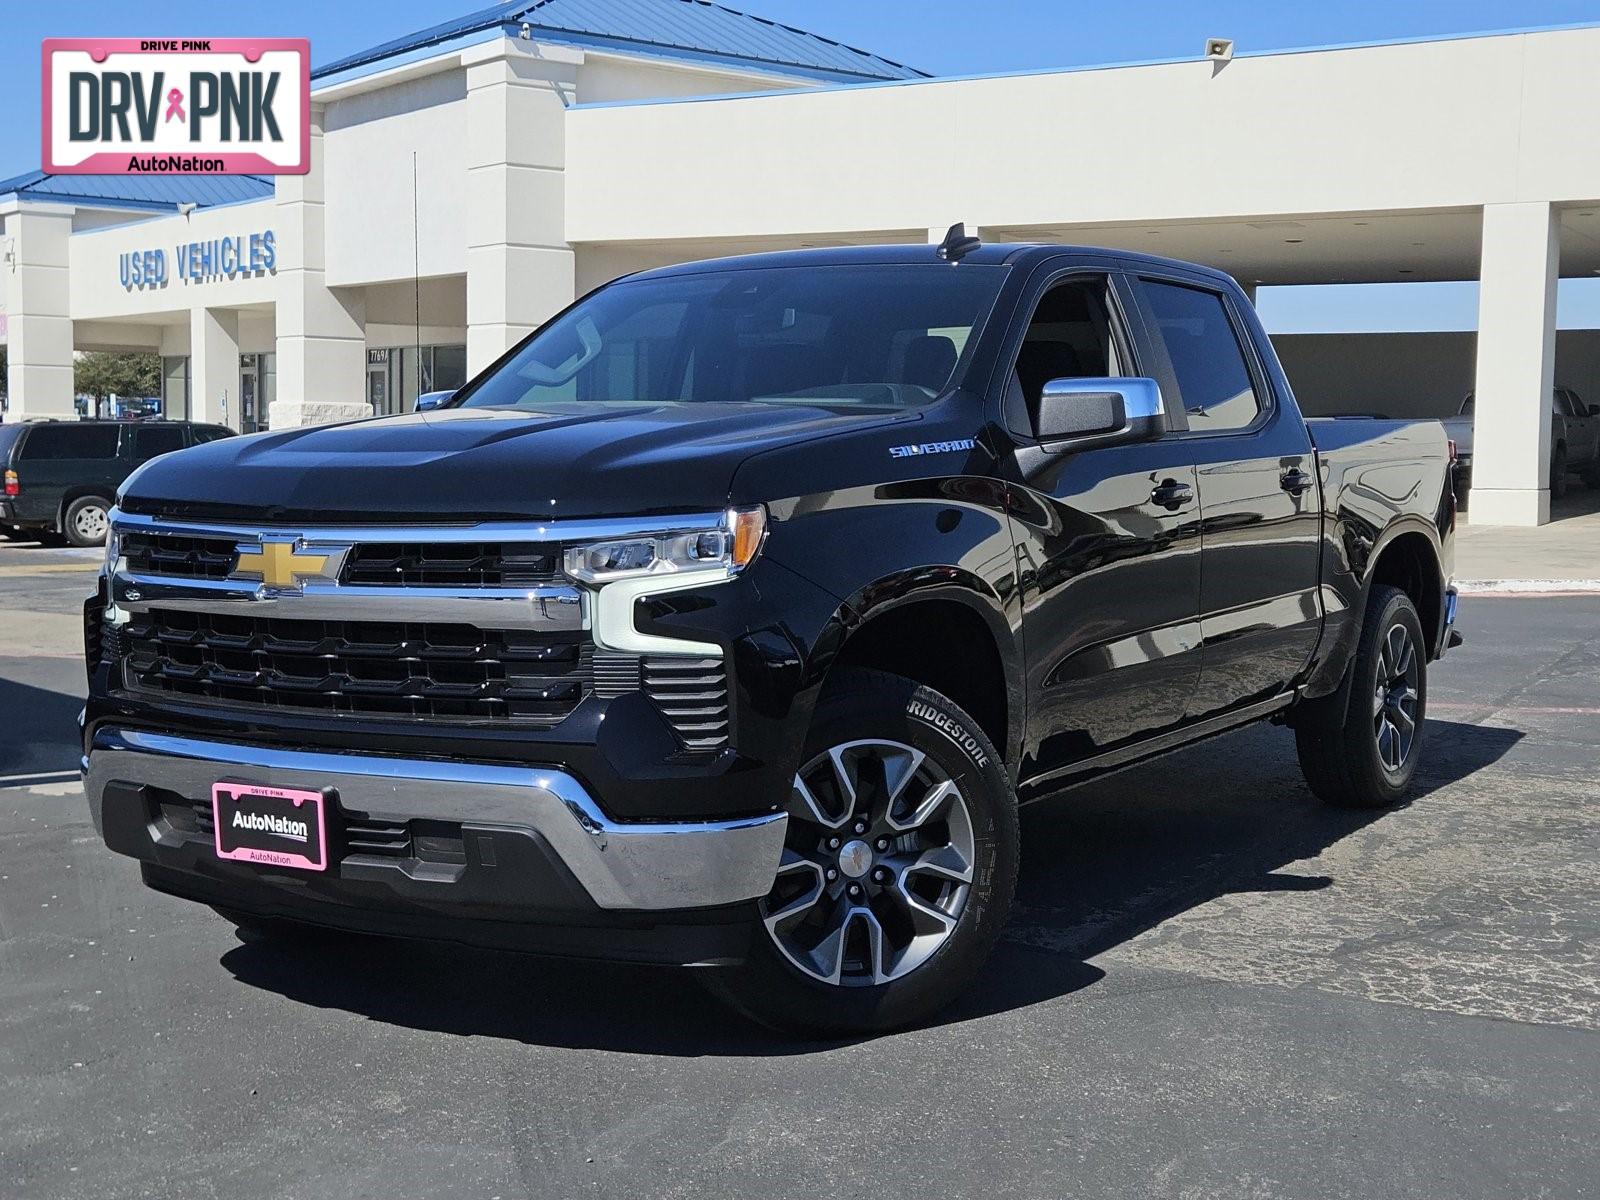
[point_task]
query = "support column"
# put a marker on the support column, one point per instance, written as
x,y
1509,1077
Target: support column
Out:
x,y
1516,365
322,331
38,317
214,366
520,269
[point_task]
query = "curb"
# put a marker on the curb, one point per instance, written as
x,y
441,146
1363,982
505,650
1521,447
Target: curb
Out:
x,y
1528,587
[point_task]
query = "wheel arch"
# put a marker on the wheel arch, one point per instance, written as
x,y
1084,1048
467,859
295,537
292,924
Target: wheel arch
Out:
x,y
949,632
1408,558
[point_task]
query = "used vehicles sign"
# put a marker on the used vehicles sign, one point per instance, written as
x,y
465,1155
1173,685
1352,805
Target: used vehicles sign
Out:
x,y
214,106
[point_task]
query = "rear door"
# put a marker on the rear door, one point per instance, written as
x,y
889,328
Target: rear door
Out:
x,y
1107,539
1260,524
62,457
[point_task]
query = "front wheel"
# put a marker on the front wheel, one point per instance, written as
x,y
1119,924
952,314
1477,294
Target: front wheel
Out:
x,y
1359,747
897,871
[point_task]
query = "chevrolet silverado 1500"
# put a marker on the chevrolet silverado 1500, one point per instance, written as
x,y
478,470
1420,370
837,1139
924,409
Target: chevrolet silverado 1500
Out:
x,y
727,619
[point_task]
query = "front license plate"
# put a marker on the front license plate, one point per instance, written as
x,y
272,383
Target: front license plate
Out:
x,y
282,827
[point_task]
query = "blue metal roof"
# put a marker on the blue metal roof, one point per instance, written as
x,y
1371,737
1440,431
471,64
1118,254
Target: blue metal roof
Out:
x,y
152,192
692,29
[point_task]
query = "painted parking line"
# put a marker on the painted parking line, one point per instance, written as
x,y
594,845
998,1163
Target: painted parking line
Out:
x,y
1532,710
46,568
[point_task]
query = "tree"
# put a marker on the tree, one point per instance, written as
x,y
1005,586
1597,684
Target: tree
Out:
x,y
101,374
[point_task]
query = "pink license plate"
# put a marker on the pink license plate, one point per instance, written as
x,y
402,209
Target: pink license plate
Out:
x,y
280,827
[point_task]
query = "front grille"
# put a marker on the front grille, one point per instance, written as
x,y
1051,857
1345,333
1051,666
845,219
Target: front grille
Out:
x,y
362,668
692,694
450,564
370,564
180,556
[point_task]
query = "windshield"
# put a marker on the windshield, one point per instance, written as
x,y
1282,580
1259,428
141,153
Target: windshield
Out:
x,y
836,336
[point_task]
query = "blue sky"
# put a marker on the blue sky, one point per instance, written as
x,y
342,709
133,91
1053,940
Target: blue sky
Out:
x,y
945,37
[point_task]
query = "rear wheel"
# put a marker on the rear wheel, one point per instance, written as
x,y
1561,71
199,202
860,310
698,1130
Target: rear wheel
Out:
x,y
1359,747
87,520
898,869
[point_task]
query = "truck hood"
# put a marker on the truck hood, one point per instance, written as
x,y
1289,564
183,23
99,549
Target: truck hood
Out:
x,y
575,460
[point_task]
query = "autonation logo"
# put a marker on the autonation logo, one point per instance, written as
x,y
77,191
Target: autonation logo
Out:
x,y
282,827
215,106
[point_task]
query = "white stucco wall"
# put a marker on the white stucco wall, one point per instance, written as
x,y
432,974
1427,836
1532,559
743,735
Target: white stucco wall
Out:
x,y
369,142
94,259
1427,125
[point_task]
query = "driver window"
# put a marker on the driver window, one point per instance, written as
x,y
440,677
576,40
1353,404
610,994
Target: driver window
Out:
x,y
1069,336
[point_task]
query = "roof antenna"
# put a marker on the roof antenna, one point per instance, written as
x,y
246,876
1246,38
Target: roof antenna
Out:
x,y
957,243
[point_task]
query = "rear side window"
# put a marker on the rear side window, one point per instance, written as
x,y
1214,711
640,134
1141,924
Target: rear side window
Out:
x,y
210,433
151,440
8,440
1207,358
54,442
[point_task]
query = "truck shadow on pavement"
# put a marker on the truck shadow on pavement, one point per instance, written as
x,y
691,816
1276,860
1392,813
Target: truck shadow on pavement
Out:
x,y
1101,864
38,745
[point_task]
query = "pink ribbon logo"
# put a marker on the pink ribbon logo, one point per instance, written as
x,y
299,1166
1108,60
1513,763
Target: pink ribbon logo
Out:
x,y
175,105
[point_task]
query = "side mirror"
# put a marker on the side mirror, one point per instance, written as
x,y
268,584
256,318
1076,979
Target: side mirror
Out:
x,y
432,400
1102,410
1594,410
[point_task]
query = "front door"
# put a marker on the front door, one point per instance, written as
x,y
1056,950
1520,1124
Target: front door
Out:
x,y
248,378
378,387
1108,547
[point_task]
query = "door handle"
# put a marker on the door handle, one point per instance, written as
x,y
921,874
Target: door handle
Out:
x,y
1296,482
1172,495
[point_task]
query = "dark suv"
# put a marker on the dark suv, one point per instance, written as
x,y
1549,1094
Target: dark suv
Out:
x,y
60,476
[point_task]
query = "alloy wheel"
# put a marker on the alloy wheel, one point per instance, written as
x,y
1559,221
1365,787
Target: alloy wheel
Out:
x,y
1394,699
877,866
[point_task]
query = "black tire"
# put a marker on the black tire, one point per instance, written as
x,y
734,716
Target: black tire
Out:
x,y
1340,738
13,533
1591,476
1558,473
85,522
859,711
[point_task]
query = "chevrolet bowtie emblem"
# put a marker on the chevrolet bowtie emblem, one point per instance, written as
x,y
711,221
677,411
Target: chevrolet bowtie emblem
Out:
x,y
286,564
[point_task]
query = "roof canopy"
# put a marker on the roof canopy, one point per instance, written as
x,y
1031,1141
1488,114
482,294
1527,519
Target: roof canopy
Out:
x,y
693,29
149,192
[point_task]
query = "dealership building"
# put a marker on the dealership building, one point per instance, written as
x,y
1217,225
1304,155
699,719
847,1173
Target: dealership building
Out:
x,y
470,180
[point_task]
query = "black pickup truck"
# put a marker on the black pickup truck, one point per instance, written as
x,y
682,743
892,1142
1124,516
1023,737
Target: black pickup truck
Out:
x,y
728,618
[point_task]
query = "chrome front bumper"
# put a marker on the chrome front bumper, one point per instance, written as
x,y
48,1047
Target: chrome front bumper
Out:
x,y
622,866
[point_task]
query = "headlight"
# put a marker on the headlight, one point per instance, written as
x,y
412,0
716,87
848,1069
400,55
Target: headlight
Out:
x,y
113,551
729,547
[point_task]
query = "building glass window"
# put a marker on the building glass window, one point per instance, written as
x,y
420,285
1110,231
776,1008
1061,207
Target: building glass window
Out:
x,y
396,377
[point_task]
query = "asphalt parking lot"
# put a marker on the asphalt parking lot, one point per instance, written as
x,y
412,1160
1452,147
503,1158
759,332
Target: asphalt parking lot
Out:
x,y
1212,986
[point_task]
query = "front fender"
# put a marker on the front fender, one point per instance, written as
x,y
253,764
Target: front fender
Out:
x,y
883,548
